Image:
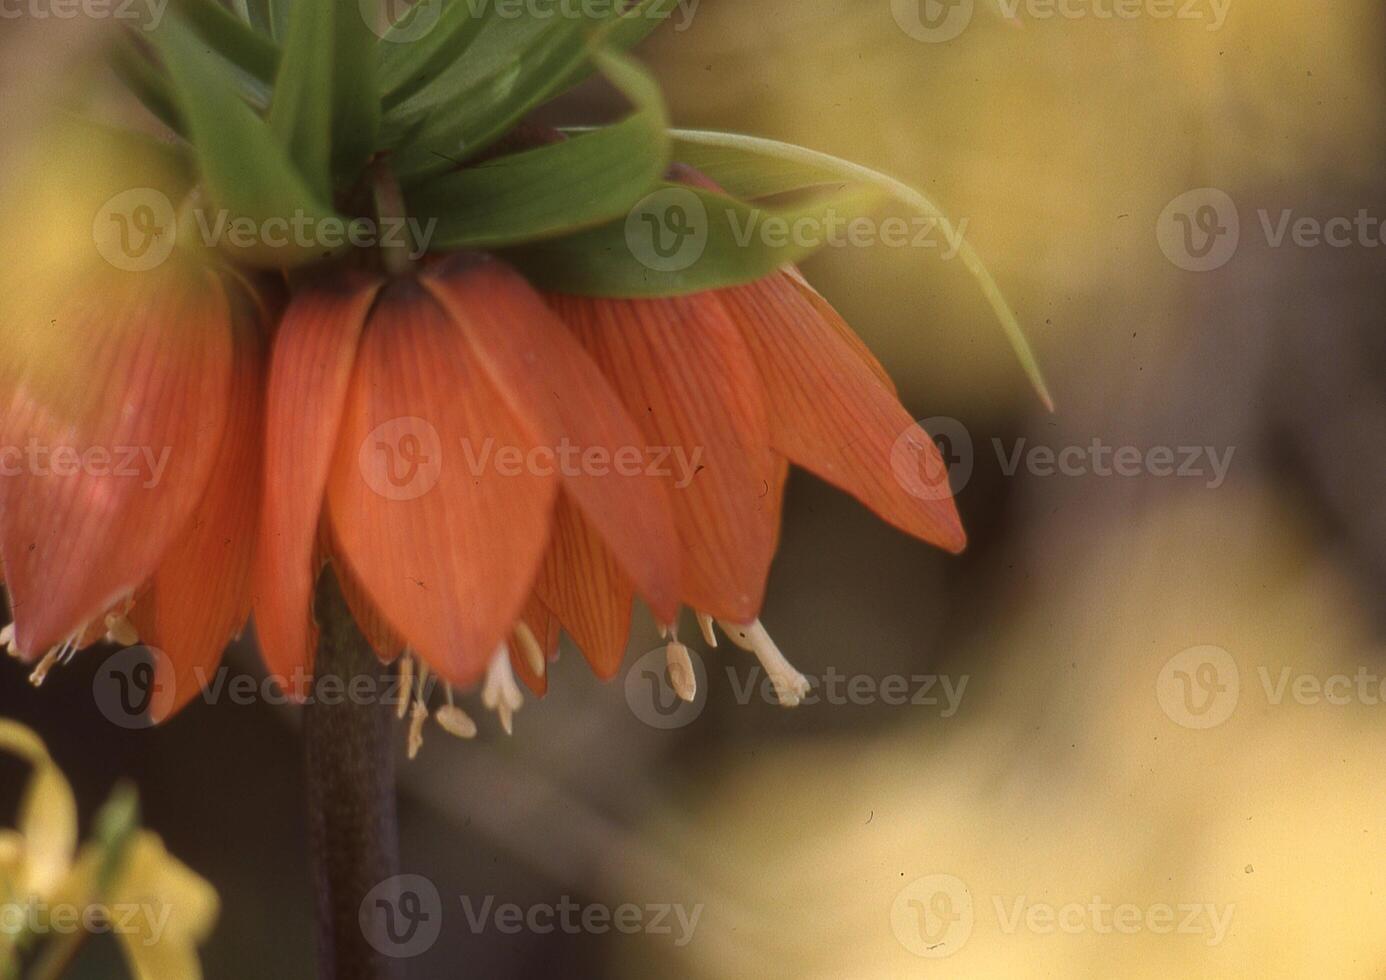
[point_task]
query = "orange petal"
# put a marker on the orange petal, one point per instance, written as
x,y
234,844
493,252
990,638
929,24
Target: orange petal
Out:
x,y
586,590
834,319
431,505
683,372
545,374
104,469
310,372
387,644
829,414
199,599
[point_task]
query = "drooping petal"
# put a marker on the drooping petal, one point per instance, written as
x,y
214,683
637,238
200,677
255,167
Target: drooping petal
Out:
x,y
683,372
103,469
587,591
199,598
431,500
387,644
310,372
545,374
840,326
830,415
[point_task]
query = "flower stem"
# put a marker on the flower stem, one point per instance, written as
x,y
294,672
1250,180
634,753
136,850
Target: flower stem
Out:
x,y
395,250
352,826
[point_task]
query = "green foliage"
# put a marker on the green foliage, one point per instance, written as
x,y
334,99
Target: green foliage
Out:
x,y
286,103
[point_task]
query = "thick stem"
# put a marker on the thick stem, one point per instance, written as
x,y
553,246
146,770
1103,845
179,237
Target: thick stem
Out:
x,y
352,827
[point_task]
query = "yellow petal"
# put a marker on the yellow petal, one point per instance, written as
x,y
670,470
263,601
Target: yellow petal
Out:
x,y
172,910
47,814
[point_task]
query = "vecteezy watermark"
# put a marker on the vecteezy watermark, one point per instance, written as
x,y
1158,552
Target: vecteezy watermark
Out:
x,y
937,21
403,916
652,697
1201,230
146,920
651,694
137,230
669,230
672,919
144,464
404,458
403,22
934,916
136,686
929,476
832,687
1201,687
147,13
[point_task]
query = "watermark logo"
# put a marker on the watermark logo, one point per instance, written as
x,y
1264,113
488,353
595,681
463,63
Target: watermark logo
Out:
x,y
568,916
1199,230
402,459
651,694
933,916
402,917
667,231
926,474
932,21
135,230
1199,687
402,21
933,477
134,687
149,13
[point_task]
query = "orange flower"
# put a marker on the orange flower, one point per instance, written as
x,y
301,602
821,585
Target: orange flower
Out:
x,y
480,465
128,493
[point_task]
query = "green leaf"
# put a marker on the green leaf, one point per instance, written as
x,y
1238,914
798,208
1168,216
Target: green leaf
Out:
x,y
753,167
145,81
301,114
417,47
519,63
245,169
232,38
557,189
681,240
325,107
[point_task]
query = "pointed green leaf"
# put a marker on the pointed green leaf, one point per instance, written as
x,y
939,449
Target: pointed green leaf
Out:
x,y
247,173
518,64
232,38
681,240
557,189
145,81
431,36
325,107
753,167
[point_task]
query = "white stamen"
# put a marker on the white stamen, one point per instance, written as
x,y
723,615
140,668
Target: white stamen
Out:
x,y
790,685
120,631
663,630
406,682
709,634
681,676
454,720
7,640
416,723
530,648
500,693
57,655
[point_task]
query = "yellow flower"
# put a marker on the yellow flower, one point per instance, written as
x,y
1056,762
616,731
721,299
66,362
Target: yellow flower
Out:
x,y
123,881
